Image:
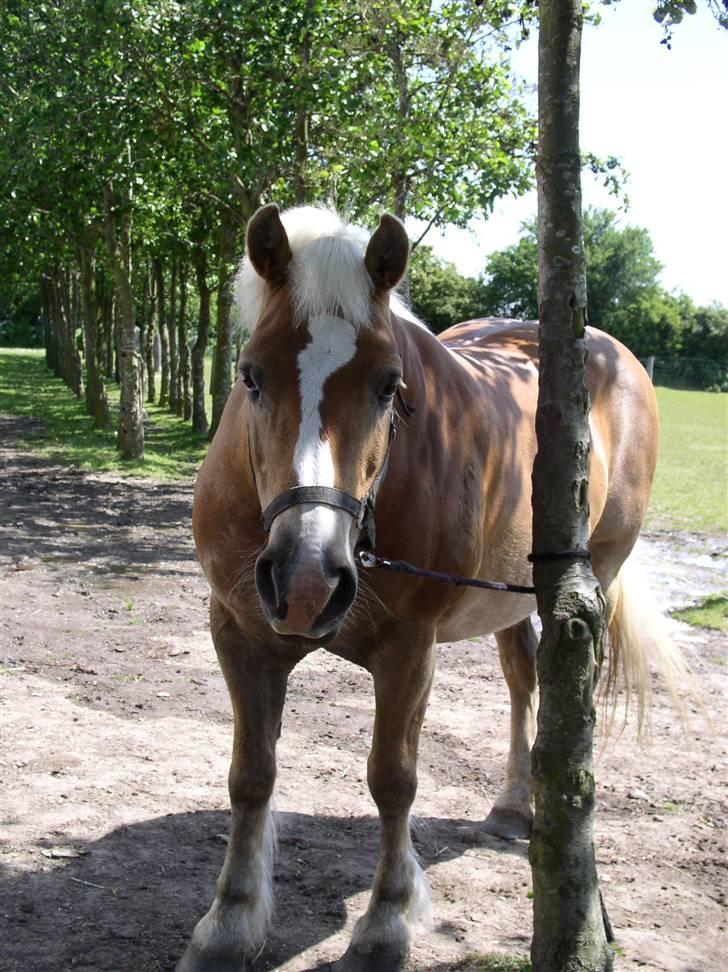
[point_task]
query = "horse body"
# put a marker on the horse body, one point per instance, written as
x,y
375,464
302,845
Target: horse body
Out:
x,y
314,406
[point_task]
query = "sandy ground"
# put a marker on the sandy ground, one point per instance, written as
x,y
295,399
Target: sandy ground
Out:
x,y
116,739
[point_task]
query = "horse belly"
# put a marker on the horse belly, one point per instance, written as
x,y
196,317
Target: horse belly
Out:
x,y
481,612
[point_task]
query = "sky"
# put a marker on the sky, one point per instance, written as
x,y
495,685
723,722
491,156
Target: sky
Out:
x,y
664,113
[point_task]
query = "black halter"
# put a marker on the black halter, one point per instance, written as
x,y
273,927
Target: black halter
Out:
x,y
362,510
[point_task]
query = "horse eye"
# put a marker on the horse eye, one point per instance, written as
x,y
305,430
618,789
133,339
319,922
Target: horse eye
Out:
x,y
249,382
389,389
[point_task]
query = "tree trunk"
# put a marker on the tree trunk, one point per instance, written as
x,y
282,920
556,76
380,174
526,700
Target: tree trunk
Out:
x,y
199,418
143,319
50,341
96,402
184,403
221,381
569,933
148,349
63,323
130,438
163,334
107,318
174,392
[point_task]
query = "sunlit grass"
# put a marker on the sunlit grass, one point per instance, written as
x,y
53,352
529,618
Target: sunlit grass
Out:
x,y
492,963
711,612
691,484
64,433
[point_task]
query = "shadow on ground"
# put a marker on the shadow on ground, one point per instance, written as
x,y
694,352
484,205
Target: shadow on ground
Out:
x,y
128,902
58,516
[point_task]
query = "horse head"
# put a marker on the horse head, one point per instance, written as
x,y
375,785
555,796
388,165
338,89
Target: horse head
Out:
x,y
320,371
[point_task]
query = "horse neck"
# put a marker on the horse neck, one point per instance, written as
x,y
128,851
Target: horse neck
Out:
x,y
423,357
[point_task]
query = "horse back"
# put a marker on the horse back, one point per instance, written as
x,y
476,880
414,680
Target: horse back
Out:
x,y
504,356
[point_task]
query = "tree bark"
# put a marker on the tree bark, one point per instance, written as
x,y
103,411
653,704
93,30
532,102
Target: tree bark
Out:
x,y
174,392
184,403
221,381
130,437
96,402
50,341
63,322
163,332
107,318
569,932
148,349
199,418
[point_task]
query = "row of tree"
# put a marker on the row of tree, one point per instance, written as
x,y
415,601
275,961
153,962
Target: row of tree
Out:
x,y
626,298
141,136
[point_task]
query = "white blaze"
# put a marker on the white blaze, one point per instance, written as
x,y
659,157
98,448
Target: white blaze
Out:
x,y
332,345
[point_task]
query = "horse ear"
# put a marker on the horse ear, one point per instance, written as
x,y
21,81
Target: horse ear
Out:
x,y
387,254
267,244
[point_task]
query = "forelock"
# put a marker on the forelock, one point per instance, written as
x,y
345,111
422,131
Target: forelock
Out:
x,y
327,273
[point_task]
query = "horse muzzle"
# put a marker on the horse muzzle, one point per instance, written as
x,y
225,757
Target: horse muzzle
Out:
x,y
306,591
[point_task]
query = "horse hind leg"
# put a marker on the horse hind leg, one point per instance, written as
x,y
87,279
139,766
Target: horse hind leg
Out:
x,y
400,898
511,817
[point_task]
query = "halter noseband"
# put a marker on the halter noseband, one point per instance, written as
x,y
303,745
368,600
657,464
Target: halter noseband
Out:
x,y
362,510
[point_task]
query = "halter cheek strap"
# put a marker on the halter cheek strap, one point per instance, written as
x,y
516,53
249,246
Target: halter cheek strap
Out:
x,y
362,510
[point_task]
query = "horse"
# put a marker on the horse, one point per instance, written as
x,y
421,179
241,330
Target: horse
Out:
x,y
349,415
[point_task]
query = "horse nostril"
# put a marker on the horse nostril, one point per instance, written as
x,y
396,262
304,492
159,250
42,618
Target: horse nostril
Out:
x,y
342,597
267,581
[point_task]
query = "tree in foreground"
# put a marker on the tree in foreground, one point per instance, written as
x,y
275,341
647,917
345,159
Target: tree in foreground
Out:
x,y
569,933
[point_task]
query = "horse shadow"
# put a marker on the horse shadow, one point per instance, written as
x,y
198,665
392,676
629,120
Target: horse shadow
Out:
x,y
128,901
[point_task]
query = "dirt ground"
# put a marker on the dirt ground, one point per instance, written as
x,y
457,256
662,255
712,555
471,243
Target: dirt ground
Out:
x,y
116,738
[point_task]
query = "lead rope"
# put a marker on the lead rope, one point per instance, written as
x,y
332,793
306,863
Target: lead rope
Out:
x,y
370,560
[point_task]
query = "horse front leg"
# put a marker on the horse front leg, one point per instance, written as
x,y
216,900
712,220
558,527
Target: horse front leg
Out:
x,y
402,673
235,926
512,815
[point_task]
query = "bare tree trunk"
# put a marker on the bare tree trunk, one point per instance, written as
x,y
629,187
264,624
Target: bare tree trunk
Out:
x,y
163,333
199,418
221,381
148,349
107,326
96,401
143,324
64,324
50,340
130,438
569,932
184,402
174,392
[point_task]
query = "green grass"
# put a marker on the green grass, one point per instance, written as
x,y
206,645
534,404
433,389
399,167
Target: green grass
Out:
x,y
492,963
711,612
65,434
691,485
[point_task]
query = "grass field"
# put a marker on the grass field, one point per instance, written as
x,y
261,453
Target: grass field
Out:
x,y
690,491
691,484
711,612
64,432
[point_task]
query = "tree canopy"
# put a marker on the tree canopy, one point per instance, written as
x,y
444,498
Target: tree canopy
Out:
x,y
625,297
147,133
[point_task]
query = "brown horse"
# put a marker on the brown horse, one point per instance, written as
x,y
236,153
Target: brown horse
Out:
x,y
335,365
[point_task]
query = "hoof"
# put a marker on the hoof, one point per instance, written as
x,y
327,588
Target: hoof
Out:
x,y
194,961
508,824
380,959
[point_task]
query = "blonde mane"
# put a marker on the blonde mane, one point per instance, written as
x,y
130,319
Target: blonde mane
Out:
x,y
327,274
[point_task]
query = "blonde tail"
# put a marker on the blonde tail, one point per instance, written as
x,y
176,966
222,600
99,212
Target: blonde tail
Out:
x,y
638,643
